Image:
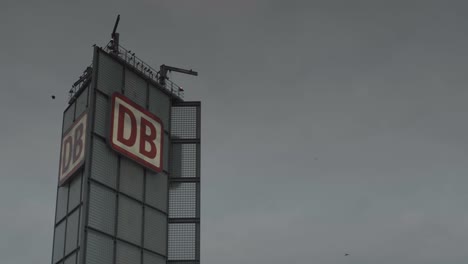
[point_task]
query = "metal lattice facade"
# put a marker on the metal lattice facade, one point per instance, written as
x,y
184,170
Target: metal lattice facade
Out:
x,y
114,210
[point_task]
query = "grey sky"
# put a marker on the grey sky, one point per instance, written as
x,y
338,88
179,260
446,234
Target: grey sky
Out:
x,y
328,126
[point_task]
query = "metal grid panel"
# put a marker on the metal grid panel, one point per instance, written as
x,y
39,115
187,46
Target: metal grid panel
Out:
x,y
127,254
72,232
135,88
101,115
101,213
70,259
81,102
74,198
183,200
59,242
68,117
184,122
62,200
150,258
110,75
104,163
184,160
131,178
159,104
182,241
100,249
166,145
156,190
129,223
155,234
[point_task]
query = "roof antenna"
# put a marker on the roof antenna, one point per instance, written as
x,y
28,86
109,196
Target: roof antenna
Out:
x,y
114,43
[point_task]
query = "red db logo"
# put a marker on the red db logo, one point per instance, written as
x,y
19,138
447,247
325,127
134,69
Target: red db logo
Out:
x,y
73,149
136,133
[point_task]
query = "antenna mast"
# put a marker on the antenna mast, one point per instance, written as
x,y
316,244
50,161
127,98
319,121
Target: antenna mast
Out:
x,y
114,43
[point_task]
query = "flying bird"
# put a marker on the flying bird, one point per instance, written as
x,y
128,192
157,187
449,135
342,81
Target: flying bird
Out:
x,y
53,96
346,254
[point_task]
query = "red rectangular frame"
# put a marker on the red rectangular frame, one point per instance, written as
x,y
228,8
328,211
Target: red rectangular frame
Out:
x,y
128,153
77,166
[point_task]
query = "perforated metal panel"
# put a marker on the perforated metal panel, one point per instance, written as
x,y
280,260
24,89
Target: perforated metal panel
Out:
x,y
100,249
72,232
101,116
110,74
62,200
150,258
182,241
155,234
156,190
129,220
70,259
81,103
184,160
101,213
75,192
159,104
184,122
183,200
59,242
127,254
131,178
184,182
167,144
135,88
104,163
68,117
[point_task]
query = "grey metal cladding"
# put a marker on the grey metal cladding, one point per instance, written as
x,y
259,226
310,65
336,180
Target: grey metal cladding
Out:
x,y
81,103
68,117
127,254
182,241
184,122
155,231
167,144
70,259
110,75
62,200
131,178
159,104
183,200
176,160
129,223
101,213
100,249
135,88
101,115
151,258
59,242
104,163
156,190
72,232
74,197
184,160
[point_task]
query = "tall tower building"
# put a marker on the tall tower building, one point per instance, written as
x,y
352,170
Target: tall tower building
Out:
x,y
129,175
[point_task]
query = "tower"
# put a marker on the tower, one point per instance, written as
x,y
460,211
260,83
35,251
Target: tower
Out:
x,y
129,174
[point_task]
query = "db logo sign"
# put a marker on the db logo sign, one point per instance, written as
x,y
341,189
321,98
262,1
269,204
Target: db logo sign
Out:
x,y
72,154
136,133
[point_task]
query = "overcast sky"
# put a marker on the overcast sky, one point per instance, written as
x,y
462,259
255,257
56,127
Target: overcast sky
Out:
x,y
329,127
